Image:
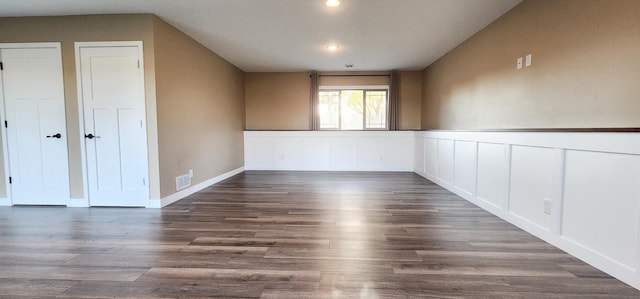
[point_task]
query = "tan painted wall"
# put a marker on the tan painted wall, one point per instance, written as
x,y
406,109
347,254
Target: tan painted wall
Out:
x,y
277,101
280,101
68,30
410,99
585,71
200,103
326,79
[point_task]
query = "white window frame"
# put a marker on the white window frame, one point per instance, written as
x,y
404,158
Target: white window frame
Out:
x,y
364,88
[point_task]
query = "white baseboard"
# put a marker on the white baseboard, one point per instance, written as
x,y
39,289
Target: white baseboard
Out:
x,y
73,203
193,189
154,204
78,203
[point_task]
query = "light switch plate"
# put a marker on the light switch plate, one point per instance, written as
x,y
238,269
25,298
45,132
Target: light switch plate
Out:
x,y
527,60
519,63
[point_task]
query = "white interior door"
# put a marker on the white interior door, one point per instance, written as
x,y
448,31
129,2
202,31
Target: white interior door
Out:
x,y
33,94
112,90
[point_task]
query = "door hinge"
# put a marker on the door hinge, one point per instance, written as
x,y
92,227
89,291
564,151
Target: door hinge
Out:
x,y
138,63
1,66
5,124
10,180
144,182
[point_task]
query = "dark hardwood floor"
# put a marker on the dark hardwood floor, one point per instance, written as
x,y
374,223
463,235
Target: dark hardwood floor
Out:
x,y
290,235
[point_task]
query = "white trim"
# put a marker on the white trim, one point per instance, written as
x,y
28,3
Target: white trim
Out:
x,y
29,45
330,133
78,203
557,189
155,203
108,44
353,87
83,157
5,144
83,154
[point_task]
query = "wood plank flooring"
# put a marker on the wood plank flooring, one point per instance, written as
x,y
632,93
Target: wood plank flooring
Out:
x,y
290,235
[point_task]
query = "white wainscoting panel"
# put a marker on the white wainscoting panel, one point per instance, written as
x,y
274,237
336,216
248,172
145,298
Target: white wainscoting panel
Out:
x,y
431,157
329,150
591,182
531,170
373,158
445,161
492,183
601,212
465,167
343,153
418,157
402,156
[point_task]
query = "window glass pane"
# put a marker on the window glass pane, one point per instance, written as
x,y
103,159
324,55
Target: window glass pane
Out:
x,y
376,103
352,109
329,109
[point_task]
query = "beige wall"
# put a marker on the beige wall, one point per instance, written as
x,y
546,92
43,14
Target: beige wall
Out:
x,y
68,30
200,104
353,79
280,101
585,70
277,101
409,99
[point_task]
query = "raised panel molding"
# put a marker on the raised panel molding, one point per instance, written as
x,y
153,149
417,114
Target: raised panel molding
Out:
x,y
531,170
446,154
492,181
590,182
431,158
418,156
600,211
465,166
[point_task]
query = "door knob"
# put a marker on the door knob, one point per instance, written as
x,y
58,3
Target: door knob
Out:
x,y
57,135
90,136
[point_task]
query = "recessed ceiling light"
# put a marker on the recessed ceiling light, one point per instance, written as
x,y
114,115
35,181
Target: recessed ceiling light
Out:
x,y
348,65
332,3
332,47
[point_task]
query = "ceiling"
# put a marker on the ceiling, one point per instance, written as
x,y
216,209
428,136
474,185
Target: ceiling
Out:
x,y
292,35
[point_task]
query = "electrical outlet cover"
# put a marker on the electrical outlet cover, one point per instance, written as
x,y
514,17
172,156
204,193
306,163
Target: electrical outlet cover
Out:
x,y
547,206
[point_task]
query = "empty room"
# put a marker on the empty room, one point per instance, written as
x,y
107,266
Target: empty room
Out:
x,y
320,149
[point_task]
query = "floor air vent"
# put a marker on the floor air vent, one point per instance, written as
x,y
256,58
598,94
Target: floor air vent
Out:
x,y
183,181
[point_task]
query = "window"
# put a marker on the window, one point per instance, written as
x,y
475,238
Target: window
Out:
x,y
353,109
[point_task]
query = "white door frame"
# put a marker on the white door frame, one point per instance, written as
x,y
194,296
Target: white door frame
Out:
x,y
8,201
83,155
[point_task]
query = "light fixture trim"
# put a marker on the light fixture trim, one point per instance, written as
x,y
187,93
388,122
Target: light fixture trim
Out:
x,y
332,3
